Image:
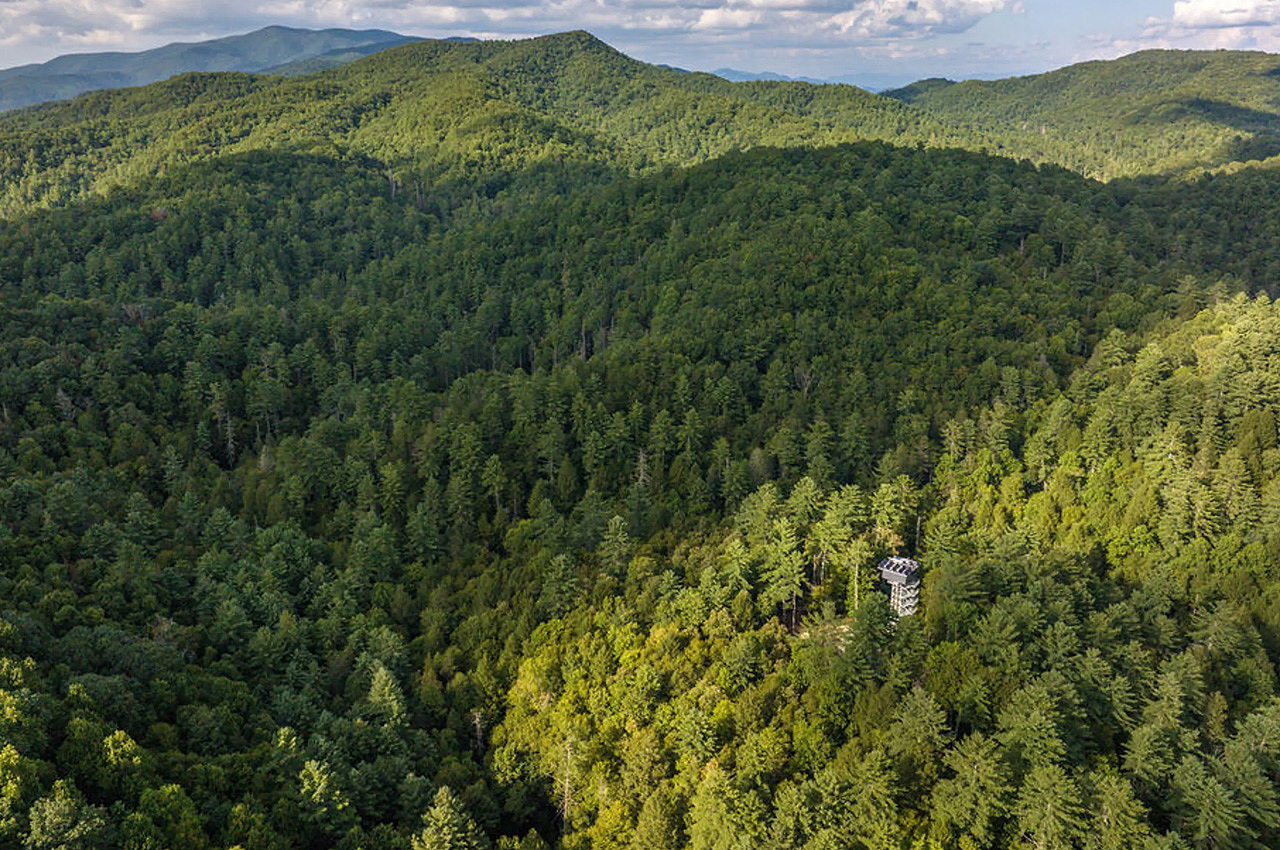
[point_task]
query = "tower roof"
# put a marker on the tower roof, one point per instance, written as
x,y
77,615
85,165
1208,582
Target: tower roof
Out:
x,y
900,571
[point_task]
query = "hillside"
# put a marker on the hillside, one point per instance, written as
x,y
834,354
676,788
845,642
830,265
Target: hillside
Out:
x,y
473,447
381,502
431,111
263,50
479,111
337,57
1154,112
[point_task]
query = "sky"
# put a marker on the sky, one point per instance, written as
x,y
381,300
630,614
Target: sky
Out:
x,y
892,39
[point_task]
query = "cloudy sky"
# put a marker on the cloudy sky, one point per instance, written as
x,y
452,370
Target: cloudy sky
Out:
x,y
903,39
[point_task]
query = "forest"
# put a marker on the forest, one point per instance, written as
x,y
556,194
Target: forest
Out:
x,y
491,445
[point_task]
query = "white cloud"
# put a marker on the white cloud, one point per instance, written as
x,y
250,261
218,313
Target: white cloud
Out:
x,y
1210,14
36,29
726,18
899,18
1214,24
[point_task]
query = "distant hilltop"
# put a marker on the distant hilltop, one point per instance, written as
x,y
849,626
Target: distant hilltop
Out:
x,y
1151,113
871,81
275,49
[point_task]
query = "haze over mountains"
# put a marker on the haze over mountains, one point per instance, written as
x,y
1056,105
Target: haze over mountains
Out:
x,y
492,445
871,81
265,50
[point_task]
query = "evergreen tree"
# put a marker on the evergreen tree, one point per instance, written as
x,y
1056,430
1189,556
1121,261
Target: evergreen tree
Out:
x,y
446,826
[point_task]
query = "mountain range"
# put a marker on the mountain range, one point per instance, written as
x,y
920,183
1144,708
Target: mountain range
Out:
x,y
273,49
870,80
1151,112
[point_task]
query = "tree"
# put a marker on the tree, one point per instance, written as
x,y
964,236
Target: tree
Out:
x,y
165,818
828,537
385,701
856,559
893,508
857,801
19,784
493,478
1118,820
1206,811
464,474
722,817
559,587
783,569
616,546
62,820
973,799
446,826
658,825
804,502
1049,812
1029,729
1244,770
325,806
917,736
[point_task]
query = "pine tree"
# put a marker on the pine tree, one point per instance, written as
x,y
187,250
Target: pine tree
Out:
x,y
1049,812
784,569
447,826
616,546
1206,811
974,798
1118,820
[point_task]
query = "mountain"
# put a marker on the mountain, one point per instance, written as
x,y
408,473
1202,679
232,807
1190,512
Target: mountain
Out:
x,y
495,446
870,81
260,51
331,59
343,55
468,110
474,109
736,76
1157,111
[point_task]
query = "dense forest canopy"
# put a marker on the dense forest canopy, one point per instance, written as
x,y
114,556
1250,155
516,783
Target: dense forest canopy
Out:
x,y
1156,111
480,113
475,446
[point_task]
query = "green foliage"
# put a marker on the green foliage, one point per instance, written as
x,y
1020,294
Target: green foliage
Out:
x,y
445,826
62,820
452,119
533,477
1153,112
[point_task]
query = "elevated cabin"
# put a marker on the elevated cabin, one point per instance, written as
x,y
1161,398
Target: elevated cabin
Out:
x,y
902,575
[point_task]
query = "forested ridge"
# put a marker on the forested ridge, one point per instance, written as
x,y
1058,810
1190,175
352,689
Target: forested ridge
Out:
x,y
435,453
480,112
273,49
1156,111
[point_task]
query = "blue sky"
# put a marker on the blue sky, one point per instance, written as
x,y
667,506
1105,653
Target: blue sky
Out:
x,y
901,39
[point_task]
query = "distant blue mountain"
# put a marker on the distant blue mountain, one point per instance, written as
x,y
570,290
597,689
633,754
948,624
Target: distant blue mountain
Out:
x,y
870,81
272,49
736,76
